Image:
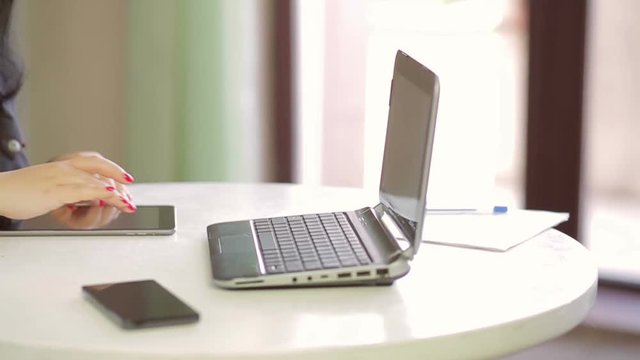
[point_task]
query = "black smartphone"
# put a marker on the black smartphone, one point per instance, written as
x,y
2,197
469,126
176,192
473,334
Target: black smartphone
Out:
x,y
140,304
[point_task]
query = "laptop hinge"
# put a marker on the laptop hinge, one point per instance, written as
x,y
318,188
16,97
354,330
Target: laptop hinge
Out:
x,y
385,249
393,232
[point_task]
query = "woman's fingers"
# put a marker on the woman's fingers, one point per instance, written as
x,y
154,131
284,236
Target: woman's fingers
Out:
x,y
112,176
125,192
121,188
83,187
94,163
115,198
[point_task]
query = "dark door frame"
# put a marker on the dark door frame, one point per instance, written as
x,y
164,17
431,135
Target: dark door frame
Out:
x,y
555,108
282,89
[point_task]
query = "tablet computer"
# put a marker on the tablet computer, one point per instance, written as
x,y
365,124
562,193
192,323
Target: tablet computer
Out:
x,y
97,220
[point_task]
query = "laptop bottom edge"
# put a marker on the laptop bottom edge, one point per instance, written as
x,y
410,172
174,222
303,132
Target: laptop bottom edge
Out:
x,y
373,275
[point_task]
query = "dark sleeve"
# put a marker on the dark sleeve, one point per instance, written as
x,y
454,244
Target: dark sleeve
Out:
x,y
12,145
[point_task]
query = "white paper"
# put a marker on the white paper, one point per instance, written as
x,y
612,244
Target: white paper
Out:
x,y
497,232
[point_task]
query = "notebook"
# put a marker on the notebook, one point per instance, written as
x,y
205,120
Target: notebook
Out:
x,y
354,247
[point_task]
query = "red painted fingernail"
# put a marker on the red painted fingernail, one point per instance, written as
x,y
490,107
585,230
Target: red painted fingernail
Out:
x,y
101,203
128,178
110,188
130,206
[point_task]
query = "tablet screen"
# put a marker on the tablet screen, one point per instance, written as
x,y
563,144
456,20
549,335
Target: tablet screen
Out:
x,y
96,220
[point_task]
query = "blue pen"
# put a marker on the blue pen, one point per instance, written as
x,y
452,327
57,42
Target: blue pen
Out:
x,y
496,210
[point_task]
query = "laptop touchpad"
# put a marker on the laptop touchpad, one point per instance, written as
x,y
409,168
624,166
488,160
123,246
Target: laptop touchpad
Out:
x,y
236,244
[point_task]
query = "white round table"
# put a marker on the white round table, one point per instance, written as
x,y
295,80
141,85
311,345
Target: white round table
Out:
x,y
455,303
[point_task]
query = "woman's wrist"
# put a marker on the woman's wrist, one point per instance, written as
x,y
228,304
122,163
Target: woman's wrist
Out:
x,y
4,201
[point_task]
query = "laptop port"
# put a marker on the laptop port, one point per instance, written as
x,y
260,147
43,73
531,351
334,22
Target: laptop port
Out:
x,y
249,282
344,275
382,272
363,273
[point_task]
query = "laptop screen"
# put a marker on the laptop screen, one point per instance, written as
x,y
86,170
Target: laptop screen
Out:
x,y
408,145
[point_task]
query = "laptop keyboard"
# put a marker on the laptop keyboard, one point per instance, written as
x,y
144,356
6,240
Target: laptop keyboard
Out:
x,y
309,242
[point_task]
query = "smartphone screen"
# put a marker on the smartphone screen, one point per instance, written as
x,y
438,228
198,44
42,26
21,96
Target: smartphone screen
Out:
x,y
140,304
97,220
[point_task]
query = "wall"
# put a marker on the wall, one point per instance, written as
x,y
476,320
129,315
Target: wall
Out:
x,y
73,96
171,90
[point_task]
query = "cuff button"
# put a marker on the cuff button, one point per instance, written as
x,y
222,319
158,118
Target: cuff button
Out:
x,y
14,146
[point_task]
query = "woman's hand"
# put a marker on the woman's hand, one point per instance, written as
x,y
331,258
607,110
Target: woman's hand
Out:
x,y
84,154
39,189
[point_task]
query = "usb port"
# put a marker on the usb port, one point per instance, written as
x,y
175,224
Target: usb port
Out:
x,y
344,275
382,272
363,273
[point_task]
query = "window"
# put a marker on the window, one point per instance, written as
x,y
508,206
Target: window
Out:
x,y
612,156
346,52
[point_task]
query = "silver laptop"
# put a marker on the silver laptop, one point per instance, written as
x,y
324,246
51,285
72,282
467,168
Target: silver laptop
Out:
x,y
360,247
